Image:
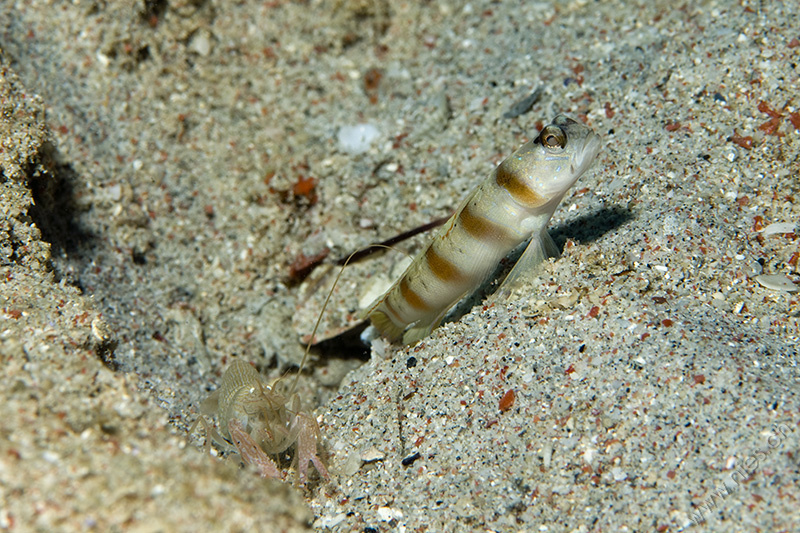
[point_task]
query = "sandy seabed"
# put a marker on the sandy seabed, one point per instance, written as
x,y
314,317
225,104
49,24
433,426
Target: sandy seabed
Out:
x,y
167,167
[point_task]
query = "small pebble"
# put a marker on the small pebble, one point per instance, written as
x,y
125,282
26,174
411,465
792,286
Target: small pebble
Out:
x,y
372,455
671,225
752,269
387,513
201,43
101,330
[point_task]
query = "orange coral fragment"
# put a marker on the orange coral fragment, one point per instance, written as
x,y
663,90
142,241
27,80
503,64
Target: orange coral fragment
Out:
x,y
765,108
771,126
794,118
507,401
305,187
744,142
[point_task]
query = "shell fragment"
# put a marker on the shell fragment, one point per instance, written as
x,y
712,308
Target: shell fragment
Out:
x,y
777,282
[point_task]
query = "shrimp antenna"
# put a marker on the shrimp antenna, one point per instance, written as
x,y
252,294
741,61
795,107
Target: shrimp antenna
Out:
x,y
358,254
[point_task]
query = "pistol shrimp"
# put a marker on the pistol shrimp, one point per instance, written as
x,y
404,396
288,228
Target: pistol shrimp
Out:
x,y
257,421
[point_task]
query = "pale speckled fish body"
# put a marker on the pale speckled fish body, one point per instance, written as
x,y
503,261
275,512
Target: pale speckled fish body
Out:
x,y
513,204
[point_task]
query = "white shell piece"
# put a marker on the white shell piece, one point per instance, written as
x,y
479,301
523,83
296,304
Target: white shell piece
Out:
x,y
777,282
330,522
357,139
779,228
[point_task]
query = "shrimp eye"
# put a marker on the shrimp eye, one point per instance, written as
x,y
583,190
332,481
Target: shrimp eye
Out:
x,y
553,137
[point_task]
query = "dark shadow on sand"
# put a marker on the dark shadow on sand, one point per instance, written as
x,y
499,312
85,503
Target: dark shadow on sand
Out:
x,y
55,211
